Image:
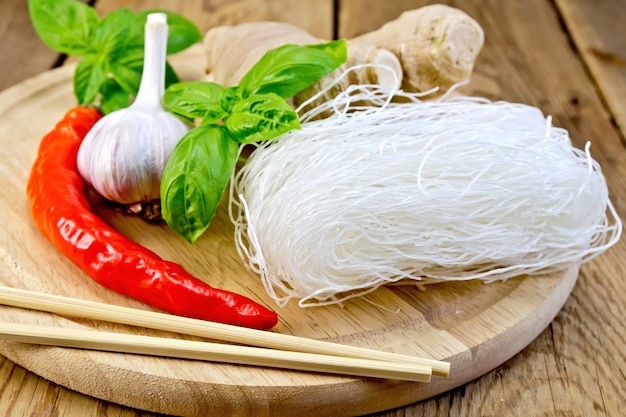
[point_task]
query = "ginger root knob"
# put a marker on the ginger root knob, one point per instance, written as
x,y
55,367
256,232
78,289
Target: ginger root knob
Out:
x,y
437,46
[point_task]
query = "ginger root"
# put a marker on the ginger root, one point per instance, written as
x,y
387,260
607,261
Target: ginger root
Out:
x,y
437,46
430,47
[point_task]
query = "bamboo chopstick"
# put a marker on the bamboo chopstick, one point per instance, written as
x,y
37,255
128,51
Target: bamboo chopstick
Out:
x,y
215,352
160,321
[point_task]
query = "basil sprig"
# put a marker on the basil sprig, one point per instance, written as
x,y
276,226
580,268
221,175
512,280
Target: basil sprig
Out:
x,y
111,49
202,163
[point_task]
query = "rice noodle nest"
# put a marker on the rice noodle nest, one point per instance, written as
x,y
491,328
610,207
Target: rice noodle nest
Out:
x,y
427,191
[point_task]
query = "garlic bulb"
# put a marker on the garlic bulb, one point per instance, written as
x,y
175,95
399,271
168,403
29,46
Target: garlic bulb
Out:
x,y
124,154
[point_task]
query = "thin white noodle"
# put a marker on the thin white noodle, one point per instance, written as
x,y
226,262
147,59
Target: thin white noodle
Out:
x,y
454,189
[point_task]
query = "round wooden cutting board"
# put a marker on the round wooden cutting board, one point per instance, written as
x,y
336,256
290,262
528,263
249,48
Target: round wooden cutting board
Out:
x,y
475,326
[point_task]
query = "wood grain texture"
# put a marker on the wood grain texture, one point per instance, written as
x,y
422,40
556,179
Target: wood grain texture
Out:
x,y
356,17
599,33
315,16
23,54
576,367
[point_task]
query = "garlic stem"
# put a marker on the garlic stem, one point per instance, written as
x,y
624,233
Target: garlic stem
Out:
x,y
152,84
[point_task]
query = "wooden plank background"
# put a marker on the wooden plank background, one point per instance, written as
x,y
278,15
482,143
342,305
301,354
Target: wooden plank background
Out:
x,y
567,57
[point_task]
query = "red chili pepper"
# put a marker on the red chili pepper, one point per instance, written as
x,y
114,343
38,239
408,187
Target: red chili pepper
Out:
x,y
62,212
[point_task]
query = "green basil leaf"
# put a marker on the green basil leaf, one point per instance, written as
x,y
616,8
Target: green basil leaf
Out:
x,y
127,76
114,97
230,96
63,25
289,69
195,99
195,178
132,57
182,33
111,33
90,74
170,75
261,117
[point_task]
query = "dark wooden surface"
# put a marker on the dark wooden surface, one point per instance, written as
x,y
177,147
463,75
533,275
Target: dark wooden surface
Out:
x,y
567,57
